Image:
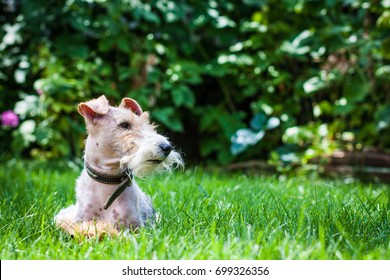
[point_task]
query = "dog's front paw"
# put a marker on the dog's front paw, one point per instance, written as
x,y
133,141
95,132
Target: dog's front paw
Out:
x,y
92,230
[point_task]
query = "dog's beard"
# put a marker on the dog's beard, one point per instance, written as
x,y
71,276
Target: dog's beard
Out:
x,y
143,163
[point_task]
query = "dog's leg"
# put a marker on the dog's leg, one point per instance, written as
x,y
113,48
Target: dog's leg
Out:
x,y
91,229
66,217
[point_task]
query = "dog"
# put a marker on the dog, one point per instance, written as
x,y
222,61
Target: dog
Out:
x,y
121,144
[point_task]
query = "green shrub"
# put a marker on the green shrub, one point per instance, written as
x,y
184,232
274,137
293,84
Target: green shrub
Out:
x,y
210,72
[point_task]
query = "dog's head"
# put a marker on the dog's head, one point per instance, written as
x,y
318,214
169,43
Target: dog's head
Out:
x,y
125,135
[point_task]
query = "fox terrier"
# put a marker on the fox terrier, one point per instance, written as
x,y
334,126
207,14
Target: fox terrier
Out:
x,y
121,143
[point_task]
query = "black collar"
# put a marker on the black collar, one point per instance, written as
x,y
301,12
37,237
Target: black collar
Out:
x,y
105,178
123,179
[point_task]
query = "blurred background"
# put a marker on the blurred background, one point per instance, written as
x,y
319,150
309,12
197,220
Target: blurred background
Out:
x,y
263,84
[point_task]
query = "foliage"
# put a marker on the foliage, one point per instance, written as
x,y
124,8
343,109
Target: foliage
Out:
x,y
207,70
203,216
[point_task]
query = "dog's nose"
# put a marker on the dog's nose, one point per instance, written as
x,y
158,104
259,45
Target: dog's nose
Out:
x,y
166,148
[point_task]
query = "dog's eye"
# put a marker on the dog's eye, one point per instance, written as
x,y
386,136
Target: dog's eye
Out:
x,y
125,125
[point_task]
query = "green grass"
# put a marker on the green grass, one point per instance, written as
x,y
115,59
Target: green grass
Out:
x,y
203,216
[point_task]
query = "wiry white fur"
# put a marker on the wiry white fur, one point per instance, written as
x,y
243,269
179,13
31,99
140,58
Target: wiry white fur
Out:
x,y
140,161
112,150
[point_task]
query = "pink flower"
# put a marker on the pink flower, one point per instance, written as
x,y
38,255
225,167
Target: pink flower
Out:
x,y
9,118
39,91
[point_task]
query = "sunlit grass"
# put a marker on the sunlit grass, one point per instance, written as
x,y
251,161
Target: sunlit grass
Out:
x,y
203,216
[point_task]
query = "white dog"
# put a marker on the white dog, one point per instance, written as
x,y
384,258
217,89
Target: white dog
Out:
x,y
121,143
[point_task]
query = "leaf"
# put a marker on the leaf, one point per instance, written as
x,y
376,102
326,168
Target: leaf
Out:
x,y
183,95
384,20
356,89
26,130
123,43
166,117
304,35
210,145
28,106
151,17
258,121
43,134
243,138
236,59
288,153
20,76
224,21
383,118
343,107
299,135
383,72
248,137
73,46
294,50
236,148
296,46
106,44
313,85
272,123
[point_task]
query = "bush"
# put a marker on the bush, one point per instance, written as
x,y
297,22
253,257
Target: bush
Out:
x,y
278,80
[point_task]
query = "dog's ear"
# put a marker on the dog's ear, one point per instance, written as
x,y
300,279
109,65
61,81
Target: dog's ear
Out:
x,y
94,109
131,105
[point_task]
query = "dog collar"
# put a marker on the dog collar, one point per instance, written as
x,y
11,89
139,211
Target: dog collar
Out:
x,y
105,178
124,180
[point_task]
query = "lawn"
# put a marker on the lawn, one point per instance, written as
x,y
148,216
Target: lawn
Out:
x,y
204,215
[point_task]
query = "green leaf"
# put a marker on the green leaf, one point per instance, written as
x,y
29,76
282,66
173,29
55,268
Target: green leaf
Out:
x,y
343,107
210,145
183,95
356,89
383,118
43,134
106,44
124,43
151,17
299,135
258,121
167,117
383,72
73,46
384,20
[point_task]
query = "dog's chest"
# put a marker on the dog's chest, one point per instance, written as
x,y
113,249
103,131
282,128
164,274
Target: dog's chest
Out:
x,y
92,196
